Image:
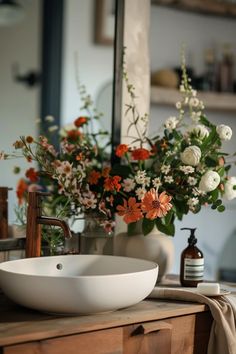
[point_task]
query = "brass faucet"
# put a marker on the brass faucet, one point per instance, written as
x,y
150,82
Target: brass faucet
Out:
x,y
34,222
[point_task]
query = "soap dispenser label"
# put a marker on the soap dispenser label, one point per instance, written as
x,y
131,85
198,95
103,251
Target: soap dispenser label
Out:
x,y
193,269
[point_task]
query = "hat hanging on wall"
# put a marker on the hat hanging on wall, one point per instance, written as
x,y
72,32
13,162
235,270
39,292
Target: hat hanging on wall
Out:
x,y
10,12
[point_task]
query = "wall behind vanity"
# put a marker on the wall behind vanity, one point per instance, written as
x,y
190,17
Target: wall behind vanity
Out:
x,y
170,29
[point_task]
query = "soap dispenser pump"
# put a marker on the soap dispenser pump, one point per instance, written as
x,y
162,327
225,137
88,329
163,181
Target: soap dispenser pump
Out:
x,y
192,262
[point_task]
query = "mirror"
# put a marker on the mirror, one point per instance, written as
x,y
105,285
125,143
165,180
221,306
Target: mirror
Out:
x,y
62,30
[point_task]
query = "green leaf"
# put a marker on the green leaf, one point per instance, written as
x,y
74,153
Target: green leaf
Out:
x,y
221,171
221,208
131,228
166,229
168,218
214,195
147,226
211,161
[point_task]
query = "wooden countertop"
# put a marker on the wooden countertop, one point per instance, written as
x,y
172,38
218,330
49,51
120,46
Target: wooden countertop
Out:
x,y
19,325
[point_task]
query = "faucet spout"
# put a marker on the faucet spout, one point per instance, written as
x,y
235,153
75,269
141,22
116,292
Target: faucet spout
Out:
x,y
45,220
34,222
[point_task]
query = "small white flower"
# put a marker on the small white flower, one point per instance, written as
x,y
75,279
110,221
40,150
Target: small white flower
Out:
x,y
224,131
53,128
186,169
194,93
140,177
156,182
194,102
128,184
191,155
192,181
140,192
146,181
165,169
178,104
49,119
209,181
192,202
197,192
168,179
195,116
199,130
230,192
171,123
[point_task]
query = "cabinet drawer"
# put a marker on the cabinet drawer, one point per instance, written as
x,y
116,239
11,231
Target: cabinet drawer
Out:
x,y
184,334
109,341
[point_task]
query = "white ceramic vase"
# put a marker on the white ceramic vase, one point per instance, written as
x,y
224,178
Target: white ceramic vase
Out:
x,y
155,246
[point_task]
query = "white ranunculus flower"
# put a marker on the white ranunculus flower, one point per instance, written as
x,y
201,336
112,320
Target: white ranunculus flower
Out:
x,y
230,192
224,131
199,130
209,181
191,155
171,123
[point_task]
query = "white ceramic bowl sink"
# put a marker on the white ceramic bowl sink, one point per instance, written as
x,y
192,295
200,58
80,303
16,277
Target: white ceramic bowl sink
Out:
x,y
81,284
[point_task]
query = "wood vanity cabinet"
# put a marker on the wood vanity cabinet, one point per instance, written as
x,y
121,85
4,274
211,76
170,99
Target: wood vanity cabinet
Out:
x,y
151,327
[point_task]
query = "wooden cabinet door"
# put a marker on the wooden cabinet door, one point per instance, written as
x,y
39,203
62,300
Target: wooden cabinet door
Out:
x,y
109,341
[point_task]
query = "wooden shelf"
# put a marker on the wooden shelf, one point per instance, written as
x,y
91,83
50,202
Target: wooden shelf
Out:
x,y
209,7
212,100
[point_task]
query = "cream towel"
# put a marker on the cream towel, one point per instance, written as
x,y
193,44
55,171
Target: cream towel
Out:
x,y
223,309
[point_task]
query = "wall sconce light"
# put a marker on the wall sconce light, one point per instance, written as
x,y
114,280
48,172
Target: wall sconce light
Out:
x,y
10,12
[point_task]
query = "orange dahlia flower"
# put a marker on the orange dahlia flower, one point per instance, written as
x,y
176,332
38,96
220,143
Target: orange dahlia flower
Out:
x,y
155,205
80,121
32,175
121,150
112,183
94,177
130,210
140,154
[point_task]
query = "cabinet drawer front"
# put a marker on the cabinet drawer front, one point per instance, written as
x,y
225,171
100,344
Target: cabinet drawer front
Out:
x,y
108,341
148,338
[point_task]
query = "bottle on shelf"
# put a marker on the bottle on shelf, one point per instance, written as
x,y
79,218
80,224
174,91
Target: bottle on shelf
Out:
x,y
209,79
226,70
192,262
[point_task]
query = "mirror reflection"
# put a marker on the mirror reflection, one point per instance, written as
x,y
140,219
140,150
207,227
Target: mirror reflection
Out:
x,y
83,56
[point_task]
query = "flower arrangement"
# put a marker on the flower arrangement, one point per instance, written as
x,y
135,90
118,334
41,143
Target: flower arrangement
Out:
x,y
157,180
165,177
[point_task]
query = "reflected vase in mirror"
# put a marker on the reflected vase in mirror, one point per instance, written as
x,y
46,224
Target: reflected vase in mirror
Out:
x,y
94,239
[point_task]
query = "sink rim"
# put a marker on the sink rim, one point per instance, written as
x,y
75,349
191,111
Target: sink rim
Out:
x,y
4,265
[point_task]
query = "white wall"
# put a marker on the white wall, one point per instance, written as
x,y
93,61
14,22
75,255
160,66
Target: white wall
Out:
x,y
19,105
169,30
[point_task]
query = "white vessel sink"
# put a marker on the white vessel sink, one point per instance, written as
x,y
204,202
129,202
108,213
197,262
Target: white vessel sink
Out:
x,y
78,284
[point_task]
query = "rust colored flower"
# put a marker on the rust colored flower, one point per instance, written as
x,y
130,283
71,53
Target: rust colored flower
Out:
x,y
221,161
29,139
80,121
112,183
130,210
32,175
21,188
18,144
29,159
106,171
155,205
73,134
121,150
140,154
164,144
79,157
94,177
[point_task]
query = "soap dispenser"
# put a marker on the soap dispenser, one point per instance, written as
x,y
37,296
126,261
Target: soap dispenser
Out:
x,y
192,262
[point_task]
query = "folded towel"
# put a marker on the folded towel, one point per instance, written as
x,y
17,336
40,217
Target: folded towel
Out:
x,y
223,309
